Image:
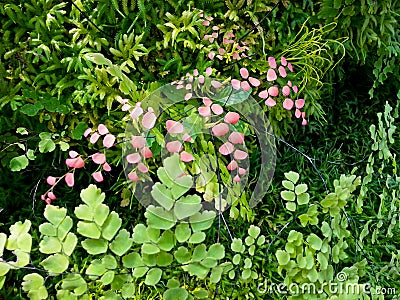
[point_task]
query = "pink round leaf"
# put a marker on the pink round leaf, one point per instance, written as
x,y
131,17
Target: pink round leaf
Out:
x,y
216,84
51,180
133,158
297,113
273,91
288,104
69,179
220,129
99,158
186,156
51,196
286,90
142,168
232,117
289,83
282,71
73,154
207,101
87,132
272,62
263,94
270,102
138,141
126,107
221,51
290,67
201,79
240,155
304,122
271,75
208,71
211,55
283,61
299,103
146,152
236,178
254,81
94,138
226,148
76,163
245,86
174,127
217,109
244,73
98,176
136,112
232,165
236,137
295,89
188,96
186,137
133,176
102,129
235,84
242,171
106,167
149,119
109,140
204,111
174,146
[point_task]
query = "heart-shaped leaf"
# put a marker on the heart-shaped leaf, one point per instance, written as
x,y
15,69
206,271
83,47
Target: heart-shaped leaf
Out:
x,y
92,196
187,206
54,214
159,218
202,221
162,195
56,263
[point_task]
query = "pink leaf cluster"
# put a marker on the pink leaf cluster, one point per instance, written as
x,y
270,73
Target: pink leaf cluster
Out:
x,y
234,138
273,91
227,49
148,119
205,111
174,127
136,158
102,130
245,84
200,79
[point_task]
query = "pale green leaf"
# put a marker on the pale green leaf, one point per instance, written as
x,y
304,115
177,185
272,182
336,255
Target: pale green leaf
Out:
x,y
153,276
93,246
57,263
122,243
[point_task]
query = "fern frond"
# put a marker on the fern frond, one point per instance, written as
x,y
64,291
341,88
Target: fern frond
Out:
x,y
115,4
133,5
142,6
125,7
